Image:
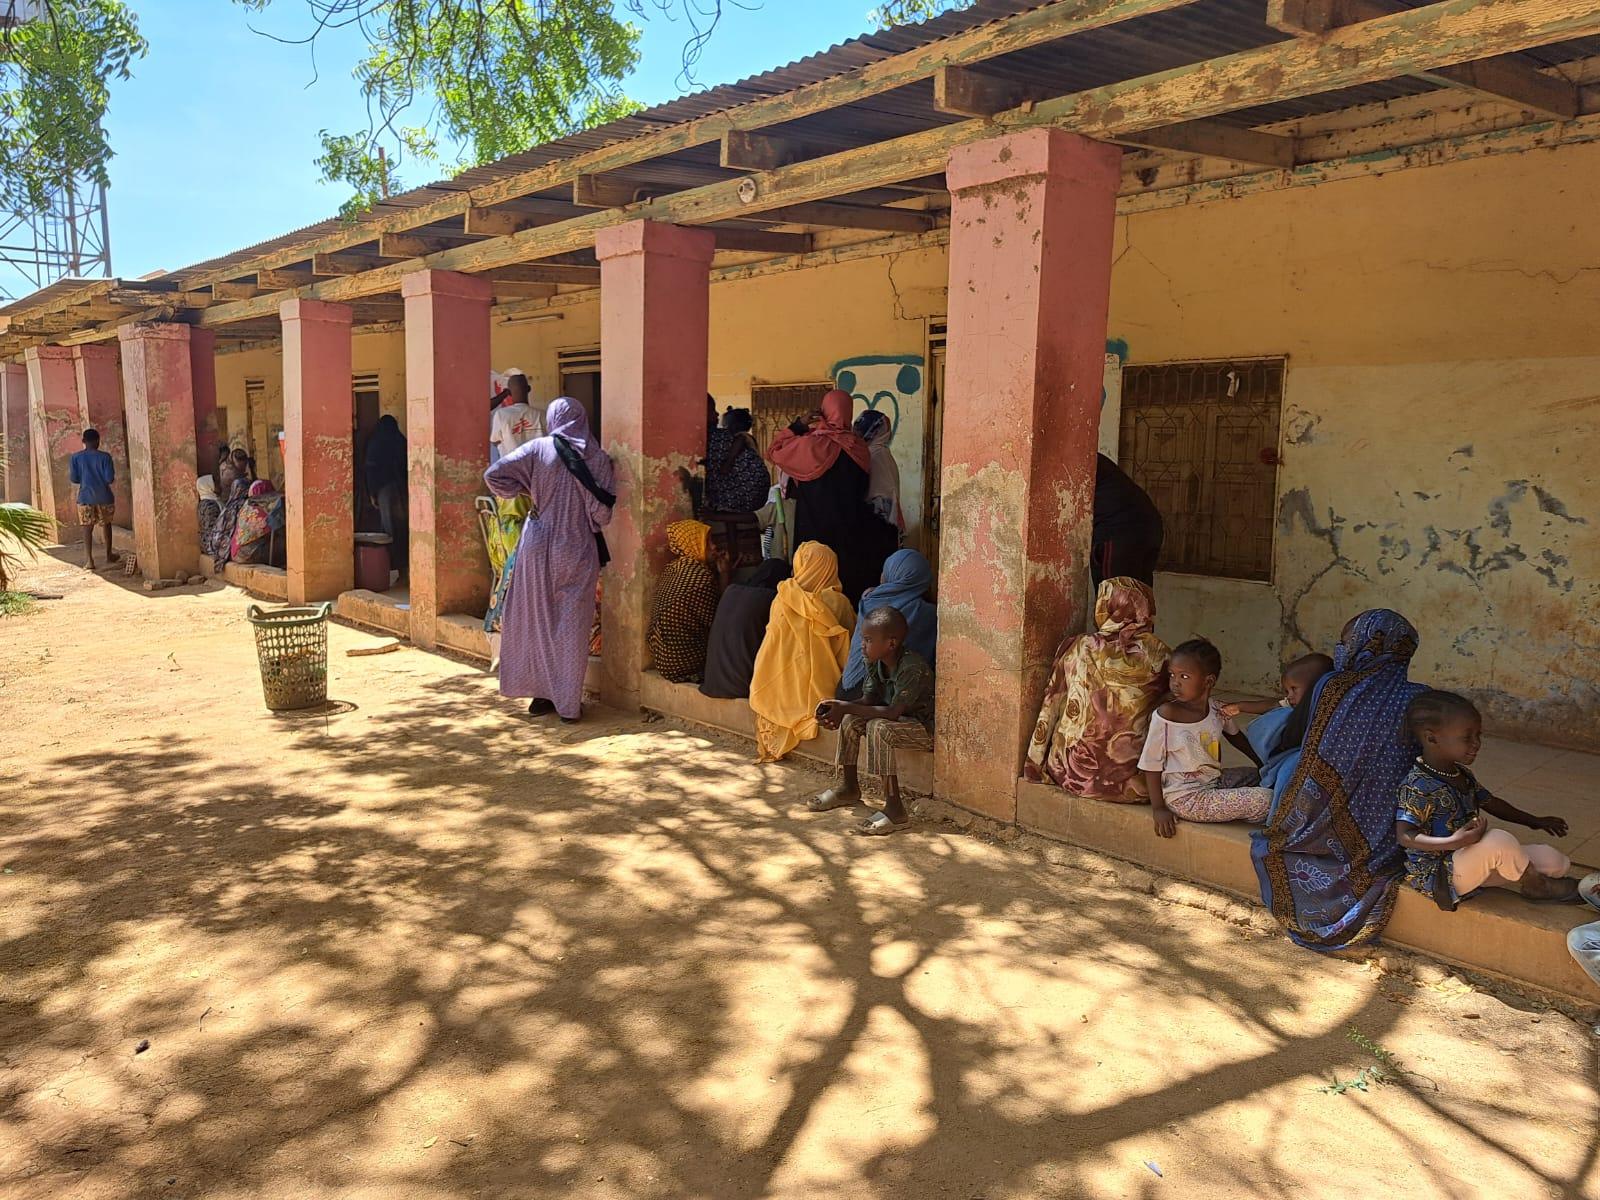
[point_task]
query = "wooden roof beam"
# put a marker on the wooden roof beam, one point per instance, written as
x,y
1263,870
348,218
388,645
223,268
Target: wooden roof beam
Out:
x,y
43,324
749,150
1214,139
326,265
1035,27
1502,77
498,222
335,265
413,245
601,191
137,300
514,289
854,216
761,241
544,272
280,278
1416,40
973,92
229,289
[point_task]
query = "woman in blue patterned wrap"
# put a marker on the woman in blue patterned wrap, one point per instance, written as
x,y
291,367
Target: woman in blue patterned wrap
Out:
x,y
1328,861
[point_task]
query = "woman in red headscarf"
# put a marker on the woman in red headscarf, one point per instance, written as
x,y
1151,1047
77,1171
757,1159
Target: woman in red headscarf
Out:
x,y
829,468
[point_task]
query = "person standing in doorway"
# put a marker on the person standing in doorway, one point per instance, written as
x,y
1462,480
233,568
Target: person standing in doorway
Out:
x,y
548,610
93,471
386,484
1127,535
514,424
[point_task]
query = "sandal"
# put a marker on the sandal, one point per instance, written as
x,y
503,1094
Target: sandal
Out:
x,y
829,800
878,825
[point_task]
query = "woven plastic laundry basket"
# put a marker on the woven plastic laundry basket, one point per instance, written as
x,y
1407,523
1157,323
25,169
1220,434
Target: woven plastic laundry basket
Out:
x,y
292,645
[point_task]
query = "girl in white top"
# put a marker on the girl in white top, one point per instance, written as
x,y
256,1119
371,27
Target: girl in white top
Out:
x,y
1182,759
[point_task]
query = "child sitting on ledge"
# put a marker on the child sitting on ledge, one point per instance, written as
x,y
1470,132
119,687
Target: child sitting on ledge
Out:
x,y
1450,850
1299,678
1182,759
895,709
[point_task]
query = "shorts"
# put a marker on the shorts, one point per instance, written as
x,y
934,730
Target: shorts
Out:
x,y
96,514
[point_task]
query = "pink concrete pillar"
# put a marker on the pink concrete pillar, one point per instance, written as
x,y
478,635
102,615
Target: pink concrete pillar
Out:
x,y
203,374
447,362
160,409
100,395
655,292
56,419
14,421
318,411
1030,277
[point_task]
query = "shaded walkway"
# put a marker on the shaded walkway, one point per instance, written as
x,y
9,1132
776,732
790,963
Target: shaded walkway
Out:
x,y
420,947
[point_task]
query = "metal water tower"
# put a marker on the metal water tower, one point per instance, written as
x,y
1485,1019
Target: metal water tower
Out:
x,y
71,236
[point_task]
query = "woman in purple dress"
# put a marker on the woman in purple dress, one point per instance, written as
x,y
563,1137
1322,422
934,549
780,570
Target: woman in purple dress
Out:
x,y
548,610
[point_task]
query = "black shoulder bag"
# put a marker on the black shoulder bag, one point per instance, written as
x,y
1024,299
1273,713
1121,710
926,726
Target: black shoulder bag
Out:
x,y
573,462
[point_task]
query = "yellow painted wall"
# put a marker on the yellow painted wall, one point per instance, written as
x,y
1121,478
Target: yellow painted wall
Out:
x,y
791,327
1441,395
380,352
1443,353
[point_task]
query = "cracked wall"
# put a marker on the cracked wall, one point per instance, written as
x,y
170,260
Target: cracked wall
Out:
x,y
1439,410
1440,399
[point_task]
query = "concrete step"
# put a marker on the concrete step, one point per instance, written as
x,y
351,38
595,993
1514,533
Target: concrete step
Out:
x,y
685,701
1496,932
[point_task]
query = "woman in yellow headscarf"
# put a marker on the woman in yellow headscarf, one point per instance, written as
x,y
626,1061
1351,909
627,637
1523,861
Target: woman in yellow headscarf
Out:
x,y
685,604
803,654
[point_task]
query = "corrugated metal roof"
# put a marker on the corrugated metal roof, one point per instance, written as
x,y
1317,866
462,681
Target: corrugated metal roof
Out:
x,y
1202,30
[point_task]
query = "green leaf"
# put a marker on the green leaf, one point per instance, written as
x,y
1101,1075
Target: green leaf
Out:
x,y
55,73
496,77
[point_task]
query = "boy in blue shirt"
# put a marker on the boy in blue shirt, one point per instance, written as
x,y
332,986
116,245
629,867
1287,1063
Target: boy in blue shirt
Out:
x,y
92,470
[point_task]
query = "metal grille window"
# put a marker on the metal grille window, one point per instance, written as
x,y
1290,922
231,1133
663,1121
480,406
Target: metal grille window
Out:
x,y
775,407
1202,439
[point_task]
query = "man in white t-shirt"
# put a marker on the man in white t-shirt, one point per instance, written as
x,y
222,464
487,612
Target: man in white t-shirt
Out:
x,y
514,423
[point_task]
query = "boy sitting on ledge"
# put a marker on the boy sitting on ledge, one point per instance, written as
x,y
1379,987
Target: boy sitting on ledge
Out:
x,y
895,709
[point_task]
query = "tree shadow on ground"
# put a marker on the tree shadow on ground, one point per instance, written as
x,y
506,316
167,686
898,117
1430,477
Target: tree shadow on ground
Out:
x,y
544,949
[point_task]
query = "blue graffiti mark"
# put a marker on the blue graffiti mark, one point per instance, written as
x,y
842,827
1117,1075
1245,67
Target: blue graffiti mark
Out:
x,y
1119,347
847,376
877,360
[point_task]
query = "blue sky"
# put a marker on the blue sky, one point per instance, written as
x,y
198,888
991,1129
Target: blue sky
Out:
x,y
216,133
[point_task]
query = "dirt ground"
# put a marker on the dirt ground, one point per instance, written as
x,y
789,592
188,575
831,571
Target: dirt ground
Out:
x,y
424,947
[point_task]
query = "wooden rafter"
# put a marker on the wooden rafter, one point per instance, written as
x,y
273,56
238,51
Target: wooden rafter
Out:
x,y
1503,78
974,92
751,150
498,222
1213,139
602,191
1048,23
227,289
281,278
1417,40
344,264
853,216
515,289
761,241
413,245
